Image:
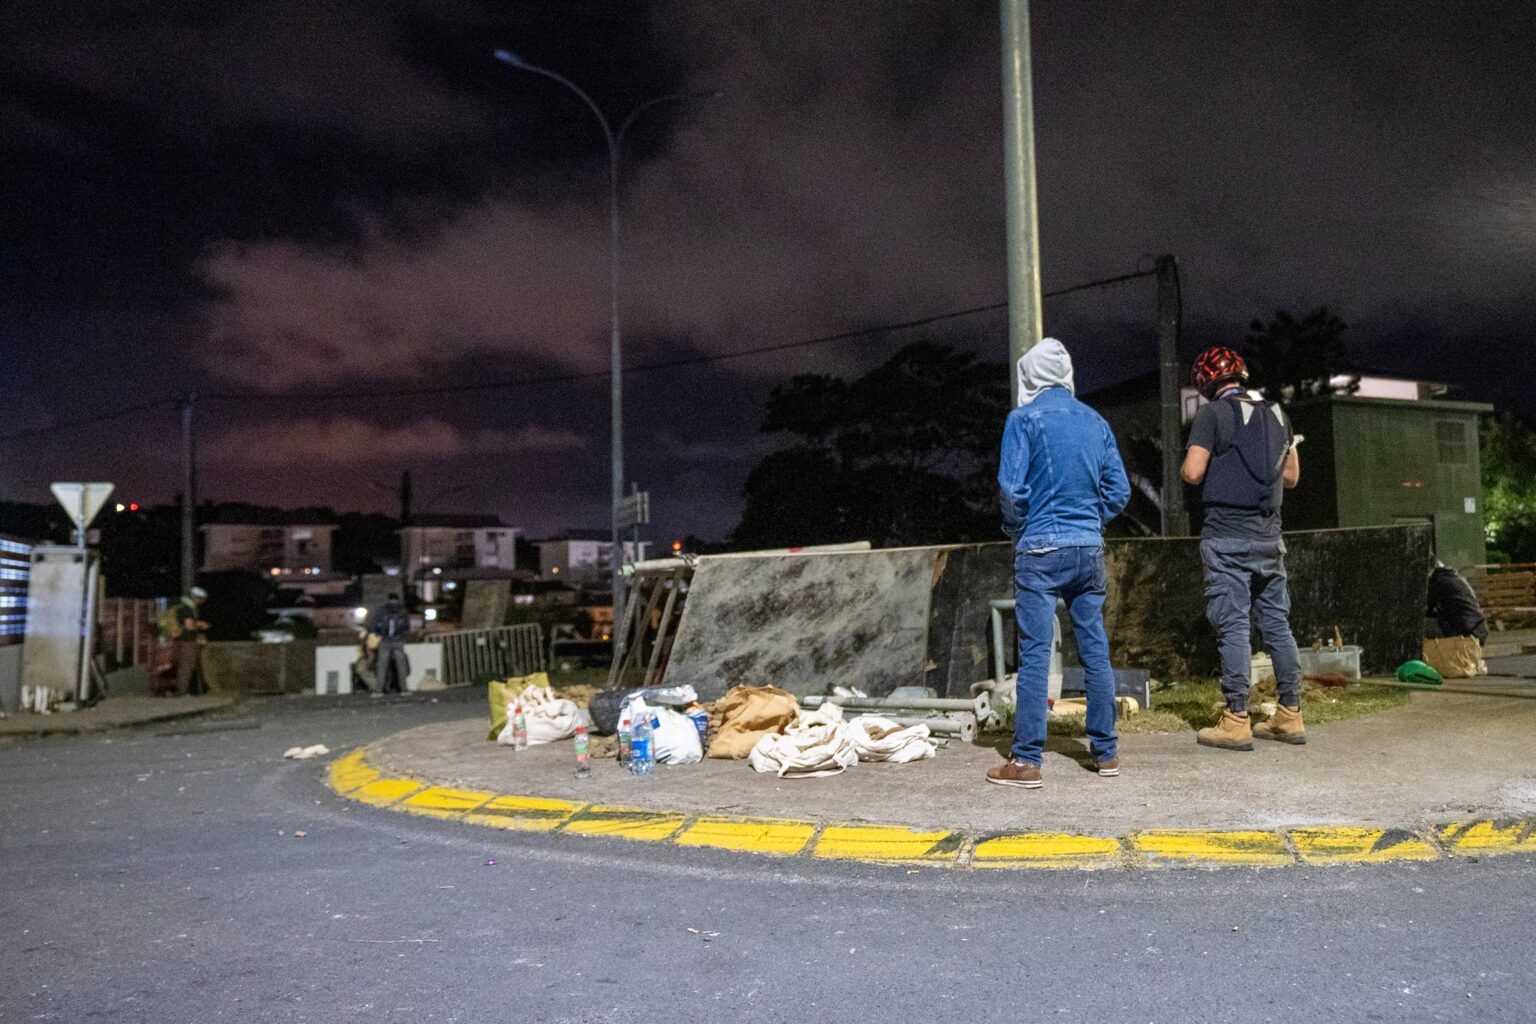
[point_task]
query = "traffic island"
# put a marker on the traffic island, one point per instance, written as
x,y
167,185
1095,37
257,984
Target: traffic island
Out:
x,y
1402,785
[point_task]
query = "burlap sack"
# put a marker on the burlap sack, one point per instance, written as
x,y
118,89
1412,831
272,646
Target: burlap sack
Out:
x,y
1455,657
747,714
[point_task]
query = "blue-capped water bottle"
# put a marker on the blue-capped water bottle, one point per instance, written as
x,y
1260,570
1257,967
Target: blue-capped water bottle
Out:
x,y
642,756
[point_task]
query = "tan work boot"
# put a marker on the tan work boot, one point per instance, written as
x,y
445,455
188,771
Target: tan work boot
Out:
x,y
1284,725
1231,733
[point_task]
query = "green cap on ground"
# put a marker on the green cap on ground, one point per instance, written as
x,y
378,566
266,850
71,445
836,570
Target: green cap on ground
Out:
x,y
1418,672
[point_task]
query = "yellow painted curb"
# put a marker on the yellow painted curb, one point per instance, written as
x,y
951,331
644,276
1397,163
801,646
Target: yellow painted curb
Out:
x,y
890,844
524,813
1046,850
1199,846
351,772
779,836
624,823
441,802
1490,838
385,791
1343,844
351,776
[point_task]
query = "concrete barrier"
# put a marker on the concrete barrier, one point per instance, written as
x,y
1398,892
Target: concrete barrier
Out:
x,y
245,666
918,616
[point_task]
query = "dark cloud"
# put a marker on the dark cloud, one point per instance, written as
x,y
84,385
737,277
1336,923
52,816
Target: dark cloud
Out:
x,y
298,443
281,195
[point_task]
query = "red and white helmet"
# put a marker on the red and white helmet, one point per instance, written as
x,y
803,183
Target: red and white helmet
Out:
x,y
1217,366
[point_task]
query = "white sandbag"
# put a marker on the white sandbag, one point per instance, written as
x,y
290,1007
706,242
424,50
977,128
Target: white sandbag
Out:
x,y
675,738
879,739
549,718
816,744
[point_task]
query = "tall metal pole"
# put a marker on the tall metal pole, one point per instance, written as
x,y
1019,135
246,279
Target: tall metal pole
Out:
x,y
615,391
615,142
188,493
1169,314
1024,320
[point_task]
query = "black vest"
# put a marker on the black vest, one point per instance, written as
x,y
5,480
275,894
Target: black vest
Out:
x,y
1247,472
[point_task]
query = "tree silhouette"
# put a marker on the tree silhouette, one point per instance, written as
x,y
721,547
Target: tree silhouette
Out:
x,y
906,454
1290,358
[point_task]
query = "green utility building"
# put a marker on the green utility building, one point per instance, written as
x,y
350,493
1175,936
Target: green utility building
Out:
x,y
1377,461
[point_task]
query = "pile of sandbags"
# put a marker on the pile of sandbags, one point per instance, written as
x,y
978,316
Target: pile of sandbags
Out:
x,y
880,739
816,744
1455,657
766,726
547,718
745,715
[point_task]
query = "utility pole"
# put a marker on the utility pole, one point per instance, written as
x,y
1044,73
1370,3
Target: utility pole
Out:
x,y
405,498
1169,314
1024,321
188,493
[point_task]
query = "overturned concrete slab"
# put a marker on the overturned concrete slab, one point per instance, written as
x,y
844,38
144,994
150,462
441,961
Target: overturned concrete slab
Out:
x,y
804,621
881,619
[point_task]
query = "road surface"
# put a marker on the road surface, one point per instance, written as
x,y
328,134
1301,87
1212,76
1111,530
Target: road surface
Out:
x,y
163,878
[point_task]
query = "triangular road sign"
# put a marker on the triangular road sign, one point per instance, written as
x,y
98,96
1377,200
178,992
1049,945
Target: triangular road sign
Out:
x,y
81,499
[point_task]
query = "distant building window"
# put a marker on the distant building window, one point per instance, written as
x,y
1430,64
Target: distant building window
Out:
x,y
1451,443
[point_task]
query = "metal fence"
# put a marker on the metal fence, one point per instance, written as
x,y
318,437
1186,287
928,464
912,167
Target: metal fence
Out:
x,y
127,629
478,655
15,572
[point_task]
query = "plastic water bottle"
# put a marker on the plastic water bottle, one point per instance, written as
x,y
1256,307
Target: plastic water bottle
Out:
x,y
625,737
583,759
519,729
641,756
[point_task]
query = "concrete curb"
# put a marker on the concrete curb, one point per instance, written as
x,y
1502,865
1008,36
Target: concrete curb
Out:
x,y
23,724
352,777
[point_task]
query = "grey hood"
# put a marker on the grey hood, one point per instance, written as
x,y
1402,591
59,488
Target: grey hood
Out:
x,y
1044,366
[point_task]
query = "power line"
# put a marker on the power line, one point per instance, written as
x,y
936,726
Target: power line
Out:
x,y
561,378
85,421
665,364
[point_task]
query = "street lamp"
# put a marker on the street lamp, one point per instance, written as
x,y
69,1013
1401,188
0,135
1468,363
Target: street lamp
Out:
x,y
615,140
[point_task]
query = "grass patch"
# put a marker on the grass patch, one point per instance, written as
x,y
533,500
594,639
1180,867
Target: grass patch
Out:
x,y
1182,706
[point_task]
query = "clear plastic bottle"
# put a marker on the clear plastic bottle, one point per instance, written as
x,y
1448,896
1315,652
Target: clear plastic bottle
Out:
x,y
519,729
641,756
583,758
624,737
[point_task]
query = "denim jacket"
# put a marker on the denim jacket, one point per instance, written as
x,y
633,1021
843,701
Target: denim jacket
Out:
x,y
1060,474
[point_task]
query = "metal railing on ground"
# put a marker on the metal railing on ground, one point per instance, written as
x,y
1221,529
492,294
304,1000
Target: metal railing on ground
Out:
x,y
479,655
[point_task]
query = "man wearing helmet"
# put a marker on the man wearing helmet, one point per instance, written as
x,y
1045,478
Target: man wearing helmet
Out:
x,y
1243,452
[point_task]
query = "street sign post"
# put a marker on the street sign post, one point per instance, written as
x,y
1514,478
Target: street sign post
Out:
x,y
634,509
82,501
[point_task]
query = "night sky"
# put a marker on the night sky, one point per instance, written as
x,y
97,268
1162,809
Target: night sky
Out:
x,y
352,195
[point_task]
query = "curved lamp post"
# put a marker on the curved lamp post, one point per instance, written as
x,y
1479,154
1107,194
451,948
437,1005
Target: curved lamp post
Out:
x,y
615,140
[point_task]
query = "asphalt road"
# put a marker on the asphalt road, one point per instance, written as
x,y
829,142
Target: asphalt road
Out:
x,y
159,878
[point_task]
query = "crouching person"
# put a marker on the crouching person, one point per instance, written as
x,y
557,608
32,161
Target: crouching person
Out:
x,y
1242,450
1061,481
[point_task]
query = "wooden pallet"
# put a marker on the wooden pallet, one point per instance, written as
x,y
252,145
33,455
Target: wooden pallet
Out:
x,y
1505,591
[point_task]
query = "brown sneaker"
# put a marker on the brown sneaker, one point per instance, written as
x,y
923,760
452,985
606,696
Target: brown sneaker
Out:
x,y
1109,769
1284,725
1231,733
1014,772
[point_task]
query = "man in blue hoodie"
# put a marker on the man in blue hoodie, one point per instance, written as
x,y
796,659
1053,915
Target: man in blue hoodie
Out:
x,y
1061,480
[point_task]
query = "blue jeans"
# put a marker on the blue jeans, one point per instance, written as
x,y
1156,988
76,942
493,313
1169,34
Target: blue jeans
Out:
x,y
1076,576
1245,579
